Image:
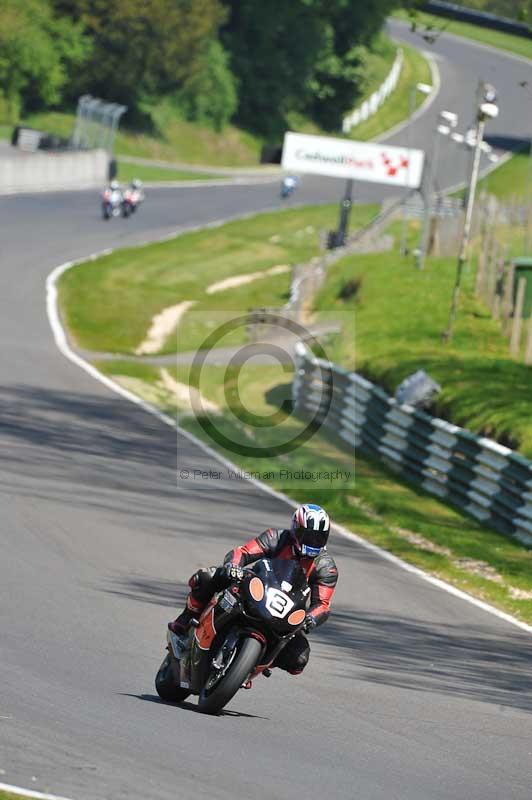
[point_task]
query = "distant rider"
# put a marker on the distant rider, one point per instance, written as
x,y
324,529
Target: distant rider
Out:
x,y
305,541
136,191
288,185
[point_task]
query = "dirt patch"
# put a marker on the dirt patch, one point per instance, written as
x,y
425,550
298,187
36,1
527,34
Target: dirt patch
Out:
x,y
185,396
162,326
479,568
519,594
240,280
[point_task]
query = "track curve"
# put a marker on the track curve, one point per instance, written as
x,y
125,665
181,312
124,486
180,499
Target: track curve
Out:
x,y
410,693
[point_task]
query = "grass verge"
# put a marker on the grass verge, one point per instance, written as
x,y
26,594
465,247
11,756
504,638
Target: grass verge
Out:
x,y
400,315
518,45
11,796
109,304
126,173
512,180
396,108
368,499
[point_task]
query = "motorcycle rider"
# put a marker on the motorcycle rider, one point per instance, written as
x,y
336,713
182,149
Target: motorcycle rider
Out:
x,y
135,187
288,185
305,541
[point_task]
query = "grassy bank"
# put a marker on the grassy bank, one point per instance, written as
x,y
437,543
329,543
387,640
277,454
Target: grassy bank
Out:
x,y
126,173
512,180
400,315
110,304
519,45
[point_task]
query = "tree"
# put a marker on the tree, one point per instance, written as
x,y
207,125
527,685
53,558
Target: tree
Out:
x,y
143,48
302,55
37,52
210,95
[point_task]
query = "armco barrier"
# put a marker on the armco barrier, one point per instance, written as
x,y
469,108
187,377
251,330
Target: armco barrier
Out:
x,y
476,17
35,172
483,478
372,104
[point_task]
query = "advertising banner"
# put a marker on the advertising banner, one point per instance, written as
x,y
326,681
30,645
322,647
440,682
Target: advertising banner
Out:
x,y
344,158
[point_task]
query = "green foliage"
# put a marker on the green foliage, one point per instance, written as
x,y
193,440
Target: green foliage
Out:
x,y
303,56
37,52
210,95
199,60
273,49
143,48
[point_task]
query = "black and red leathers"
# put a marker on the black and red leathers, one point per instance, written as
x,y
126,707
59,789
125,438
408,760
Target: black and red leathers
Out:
x,y
321,572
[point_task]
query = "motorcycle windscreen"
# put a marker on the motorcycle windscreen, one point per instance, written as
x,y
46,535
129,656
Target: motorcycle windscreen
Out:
x,y
277,571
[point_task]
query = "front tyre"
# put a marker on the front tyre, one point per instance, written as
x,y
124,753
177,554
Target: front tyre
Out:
x,y
167,688
213,701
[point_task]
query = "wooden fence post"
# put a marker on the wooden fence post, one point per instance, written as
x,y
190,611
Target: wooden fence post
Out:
x,y
491,277
515,340
483,252
499,283
508,300
528,351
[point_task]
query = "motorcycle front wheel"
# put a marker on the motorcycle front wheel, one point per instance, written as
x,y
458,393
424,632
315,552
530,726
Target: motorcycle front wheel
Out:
x,y
167,689
212,701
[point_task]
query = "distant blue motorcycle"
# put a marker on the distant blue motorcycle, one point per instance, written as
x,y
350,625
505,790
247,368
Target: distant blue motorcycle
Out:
x,y
288,186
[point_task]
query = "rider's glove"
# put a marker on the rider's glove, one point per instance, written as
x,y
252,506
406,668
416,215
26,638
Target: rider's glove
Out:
x,y
309,624
233,572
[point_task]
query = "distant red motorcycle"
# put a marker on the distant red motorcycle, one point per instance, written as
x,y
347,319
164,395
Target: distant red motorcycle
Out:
x,y
132,198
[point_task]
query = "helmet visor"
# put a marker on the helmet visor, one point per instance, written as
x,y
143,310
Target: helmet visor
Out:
x,y
310,538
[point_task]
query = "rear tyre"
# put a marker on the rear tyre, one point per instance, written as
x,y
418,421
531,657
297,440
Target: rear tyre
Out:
x,y
238,671
166,686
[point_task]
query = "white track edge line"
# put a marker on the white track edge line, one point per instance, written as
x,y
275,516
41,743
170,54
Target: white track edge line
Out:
x,y
6,787
62,343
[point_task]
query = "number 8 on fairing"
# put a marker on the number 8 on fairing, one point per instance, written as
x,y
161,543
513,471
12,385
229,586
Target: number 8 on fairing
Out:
x,y
278,603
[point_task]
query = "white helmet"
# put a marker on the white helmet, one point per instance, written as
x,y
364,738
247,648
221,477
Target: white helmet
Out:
x,y
114,185
310,529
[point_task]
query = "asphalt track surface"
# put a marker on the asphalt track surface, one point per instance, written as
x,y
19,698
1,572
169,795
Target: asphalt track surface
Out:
x,y
411,693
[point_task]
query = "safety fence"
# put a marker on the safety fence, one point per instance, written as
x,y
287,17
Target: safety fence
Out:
x,y
477,17
375,101
483,478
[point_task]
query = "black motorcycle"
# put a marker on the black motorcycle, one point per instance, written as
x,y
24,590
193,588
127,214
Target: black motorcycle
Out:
x,y
238,636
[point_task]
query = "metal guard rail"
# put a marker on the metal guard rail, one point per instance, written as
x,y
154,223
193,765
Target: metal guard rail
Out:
x,y
483,478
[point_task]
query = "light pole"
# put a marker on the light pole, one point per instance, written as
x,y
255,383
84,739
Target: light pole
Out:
x,y
424,88
446,121
487,109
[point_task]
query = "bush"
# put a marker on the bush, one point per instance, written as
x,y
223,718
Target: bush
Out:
x,y
209,96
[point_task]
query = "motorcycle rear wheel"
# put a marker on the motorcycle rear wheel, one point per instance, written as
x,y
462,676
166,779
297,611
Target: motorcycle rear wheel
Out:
x,y
166,686
238,671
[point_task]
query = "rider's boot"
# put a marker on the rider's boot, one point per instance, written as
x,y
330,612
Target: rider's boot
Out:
x,y
181,624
